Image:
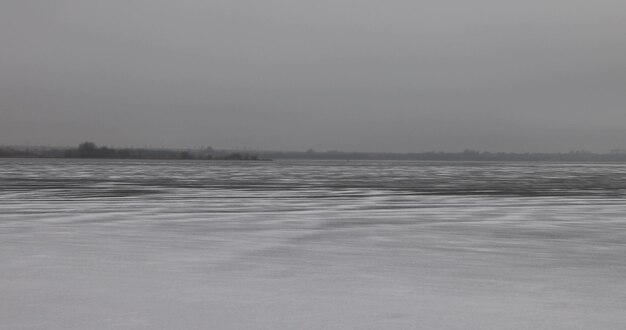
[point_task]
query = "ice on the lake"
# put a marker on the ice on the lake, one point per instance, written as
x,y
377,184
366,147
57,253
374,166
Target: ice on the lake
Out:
x,y
319,245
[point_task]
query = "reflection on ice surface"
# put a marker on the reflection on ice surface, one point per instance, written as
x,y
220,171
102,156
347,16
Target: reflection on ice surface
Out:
x,y
332,245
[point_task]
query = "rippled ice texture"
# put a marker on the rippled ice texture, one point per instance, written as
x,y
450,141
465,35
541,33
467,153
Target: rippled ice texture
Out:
x,y
311,245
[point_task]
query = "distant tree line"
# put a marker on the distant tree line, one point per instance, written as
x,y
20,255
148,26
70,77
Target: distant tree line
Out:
x,y
91,150
466,155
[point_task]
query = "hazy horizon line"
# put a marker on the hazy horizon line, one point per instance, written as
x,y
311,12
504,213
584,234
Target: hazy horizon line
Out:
x,y
251,149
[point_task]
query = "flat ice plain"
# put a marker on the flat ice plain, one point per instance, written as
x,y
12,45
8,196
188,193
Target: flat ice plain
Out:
x,y
103,244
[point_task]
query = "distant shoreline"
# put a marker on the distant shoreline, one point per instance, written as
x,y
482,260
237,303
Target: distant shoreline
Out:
x,y
89,150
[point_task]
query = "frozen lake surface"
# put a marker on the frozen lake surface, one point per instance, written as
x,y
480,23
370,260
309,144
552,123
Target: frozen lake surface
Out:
x,y
103,244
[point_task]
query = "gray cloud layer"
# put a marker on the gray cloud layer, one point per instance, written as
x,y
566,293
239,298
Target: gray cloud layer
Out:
x,y
535,75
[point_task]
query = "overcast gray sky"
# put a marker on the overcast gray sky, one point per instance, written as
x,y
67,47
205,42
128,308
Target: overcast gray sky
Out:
x,y
351,75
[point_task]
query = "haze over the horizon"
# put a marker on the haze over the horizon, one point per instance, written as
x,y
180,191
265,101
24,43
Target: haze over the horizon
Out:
x,y
402,76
